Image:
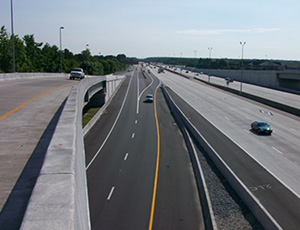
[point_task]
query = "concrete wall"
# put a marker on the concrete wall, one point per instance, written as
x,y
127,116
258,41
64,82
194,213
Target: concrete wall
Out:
x,y
59,199
289,80
15,76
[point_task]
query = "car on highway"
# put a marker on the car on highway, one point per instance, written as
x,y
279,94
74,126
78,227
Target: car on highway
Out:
x,y
149,98
228,79
77,73
261,127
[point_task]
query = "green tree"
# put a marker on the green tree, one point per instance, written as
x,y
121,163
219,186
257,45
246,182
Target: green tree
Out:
x,y
5,51
33,53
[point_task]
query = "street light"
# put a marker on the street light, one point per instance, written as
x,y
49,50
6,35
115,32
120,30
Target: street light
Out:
x,y
13,39
209,48
61,28
242,43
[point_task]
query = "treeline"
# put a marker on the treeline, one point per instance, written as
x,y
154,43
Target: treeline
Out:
x,y
32,56
203,63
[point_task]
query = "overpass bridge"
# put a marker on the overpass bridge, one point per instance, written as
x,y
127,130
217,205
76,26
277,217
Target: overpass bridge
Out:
x,y
58,175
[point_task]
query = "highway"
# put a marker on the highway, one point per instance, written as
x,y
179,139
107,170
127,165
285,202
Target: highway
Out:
x,y
276,157
138,169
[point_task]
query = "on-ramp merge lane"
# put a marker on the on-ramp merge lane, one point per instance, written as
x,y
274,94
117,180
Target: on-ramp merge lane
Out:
x,y
121,177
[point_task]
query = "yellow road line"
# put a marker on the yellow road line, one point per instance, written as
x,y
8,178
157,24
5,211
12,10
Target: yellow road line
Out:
x,y
31,100
157,165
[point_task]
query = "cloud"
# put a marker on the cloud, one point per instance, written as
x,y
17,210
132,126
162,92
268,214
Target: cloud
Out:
x,y
221,32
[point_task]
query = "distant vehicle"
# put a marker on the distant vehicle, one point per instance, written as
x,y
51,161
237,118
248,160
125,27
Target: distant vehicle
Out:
x,y
149,71
228,79
149,98
77,73
160,70
261,127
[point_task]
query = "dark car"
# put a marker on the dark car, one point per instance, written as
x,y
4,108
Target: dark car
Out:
x,y
261,127
149,98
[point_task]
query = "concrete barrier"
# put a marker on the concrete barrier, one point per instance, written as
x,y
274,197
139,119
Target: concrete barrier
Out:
x,y
16,76
254,205
207,211
59,199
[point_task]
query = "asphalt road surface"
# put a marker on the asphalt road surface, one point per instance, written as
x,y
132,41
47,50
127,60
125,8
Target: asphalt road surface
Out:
x,y
138,169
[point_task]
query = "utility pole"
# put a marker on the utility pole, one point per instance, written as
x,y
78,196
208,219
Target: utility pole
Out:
x,y
60,45
12,36
209,48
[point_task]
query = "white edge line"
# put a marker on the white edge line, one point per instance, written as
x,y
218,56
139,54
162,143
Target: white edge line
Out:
x,y
138,90
108,135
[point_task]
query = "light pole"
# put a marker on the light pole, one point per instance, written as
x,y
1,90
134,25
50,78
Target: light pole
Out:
x,y
195,51
60,45
12,36
209,48
86,46
242,43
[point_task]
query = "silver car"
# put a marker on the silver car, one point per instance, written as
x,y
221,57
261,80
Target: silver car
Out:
x,y
77,73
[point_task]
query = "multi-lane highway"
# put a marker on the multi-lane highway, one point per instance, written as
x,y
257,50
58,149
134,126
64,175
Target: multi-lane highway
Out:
x,y
276,157
138,170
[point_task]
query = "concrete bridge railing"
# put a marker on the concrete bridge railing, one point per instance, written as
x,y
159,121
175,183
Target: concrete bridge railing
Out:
x,y
59,199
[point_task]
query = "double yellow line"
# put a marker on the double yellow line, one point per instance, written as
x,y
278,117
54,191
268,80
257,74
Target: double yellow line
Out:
x,y
157,165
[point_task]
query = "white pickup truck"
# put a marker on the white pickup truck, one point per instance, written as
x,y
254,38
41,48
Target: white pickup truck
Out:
x,y
76,73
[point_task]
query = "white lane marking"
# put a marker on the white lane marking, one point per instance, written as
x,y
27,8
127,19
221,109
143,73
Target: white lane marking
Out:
x,y
136,121
132,136
277,150
247,131
126,156
111,192
152,81
227,118
139,96
113,126
138,90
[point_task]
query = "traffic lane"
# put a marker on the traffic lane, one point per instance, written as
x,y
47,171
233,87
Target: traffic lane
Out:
x,y
103,126
177,204
278,200
16,92
127,183
233,115
21,131
272,94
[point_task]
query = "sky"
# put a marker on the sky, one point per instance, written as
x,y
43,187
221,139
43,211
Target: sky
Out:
x,y
162,28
